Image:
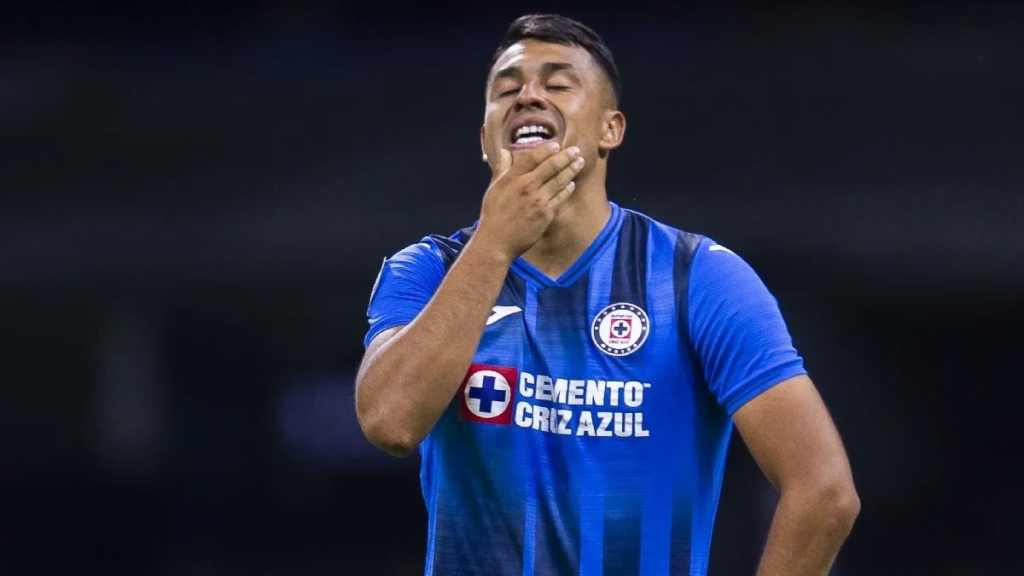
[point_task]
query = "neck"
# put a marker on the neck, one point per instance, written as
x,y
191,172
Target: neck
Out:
x,y
578,223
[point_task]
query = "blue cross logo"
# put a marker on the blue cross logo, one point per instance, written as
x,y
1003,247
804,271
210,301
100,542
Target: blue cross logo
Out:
x,y
620,328
487,394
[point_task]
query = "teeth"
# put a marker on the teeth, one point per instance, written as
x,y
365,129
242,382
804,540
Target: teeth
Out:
x,y
540,131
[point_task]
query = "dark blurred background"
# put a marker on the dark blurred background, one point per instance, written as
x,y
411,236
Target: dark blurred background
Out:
x,y
195,198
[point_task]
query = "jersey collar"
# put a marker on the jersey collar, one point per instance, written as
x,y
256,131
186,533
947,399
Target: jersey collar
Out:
x,y
534,276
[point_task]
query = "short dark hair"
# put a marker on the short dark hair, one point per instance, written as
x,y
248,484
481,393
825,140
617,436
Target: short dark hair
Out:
x,y
562,30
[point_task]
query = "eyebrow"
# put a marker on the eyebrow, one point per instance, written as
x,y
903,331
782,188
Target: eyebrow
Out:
x,y
546,69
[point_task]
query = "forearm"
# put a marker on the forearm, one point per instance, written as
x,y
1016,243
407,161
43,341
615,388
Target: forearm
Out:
x,y
406,385
809,527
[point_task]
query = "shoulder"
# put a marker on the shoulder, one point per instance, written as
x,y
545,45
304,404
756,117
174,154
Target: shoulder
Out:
x,y
433,248
685,243
715,263
700,262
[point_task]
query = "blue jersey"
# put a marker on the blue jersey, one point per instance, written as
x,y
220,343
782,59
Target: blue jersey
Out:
x,y
589,435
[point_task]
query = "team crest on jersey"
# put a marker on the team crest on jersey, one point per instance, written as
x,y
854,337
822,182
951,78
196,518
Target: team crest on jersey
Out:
x,y
487,394
620,329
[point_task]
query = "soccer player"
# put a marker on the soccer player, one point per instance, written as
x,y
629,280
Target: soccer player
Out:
x,y
571,370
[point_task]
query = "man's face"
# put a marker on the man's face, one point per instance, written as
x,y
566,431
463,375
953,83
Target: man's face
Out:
x,y
538,92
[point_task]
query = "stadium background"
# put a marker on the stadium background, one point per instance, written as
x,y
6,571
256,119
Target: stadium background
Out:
x,y
195,199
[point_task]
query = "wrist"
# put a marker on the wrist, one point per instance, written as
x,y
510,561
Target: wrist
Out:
x,y
483,247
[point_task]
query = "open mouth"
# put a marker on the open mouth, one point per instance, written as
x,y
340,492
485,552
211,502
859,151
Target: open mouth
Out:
x,y
531,133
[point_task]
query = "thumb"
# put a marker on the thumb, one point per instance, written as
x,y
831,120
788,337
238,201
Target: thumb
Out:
x,y
504,162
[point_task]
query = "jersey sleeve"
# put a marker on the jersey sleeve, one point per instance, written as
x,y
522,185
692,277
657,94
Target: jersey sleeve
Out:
x,y
736,327
406,282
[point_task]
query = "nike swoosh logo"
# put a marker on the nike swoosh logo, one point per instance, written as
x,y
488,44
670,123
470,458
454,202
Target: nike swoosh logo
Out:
x,y
719,248
499,312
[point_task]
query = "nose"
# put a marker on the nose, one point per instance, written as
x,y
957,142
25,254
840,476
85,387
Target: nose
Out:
x,y
530,96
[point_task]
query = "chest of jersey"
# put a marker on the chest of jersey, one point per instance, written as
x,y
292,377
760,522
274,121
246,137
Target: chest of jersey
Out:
x,y
576,367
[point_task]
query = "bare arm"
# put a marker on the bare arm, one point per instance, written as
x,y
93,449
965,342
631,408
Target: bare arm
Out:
x,y
793,439
410,374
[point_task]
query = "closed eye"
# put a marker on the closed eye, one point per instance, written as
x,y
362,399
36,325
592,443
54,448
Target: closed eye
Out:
x,y
508,92
558,88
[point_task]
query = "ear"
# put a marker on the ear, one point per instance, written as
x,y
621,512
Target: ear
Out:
x,y
483,138
614,131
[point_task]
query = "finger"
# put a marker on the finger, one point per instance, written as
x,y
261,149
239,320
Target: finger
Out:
x,y
553,165
535,156
564,178
564,194
504,162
